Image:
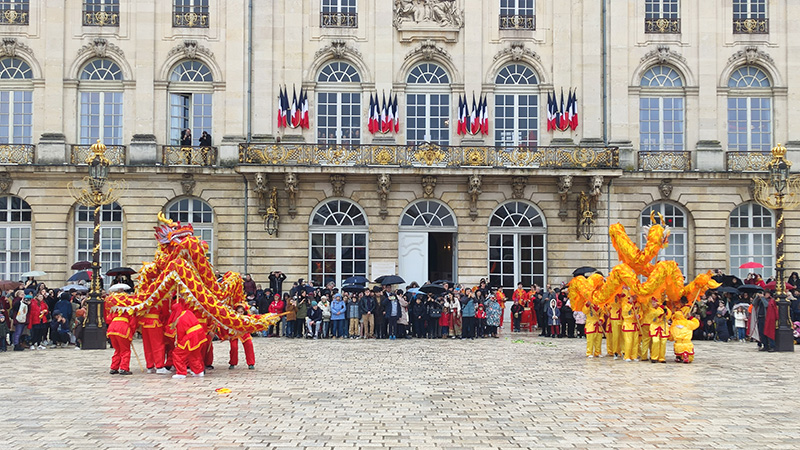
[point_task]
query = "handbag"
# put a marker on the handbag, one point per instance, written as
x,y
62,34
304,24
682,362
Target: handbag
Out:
x,y
22,314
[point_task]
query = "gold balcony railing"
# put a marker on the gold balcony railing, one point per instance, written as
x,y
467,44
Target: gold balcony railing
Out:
x,y
517,22
115,153
665,160
429,155
14,14
17,153
662,26
748,161
190,19
101,18
750,26
338,20
181,155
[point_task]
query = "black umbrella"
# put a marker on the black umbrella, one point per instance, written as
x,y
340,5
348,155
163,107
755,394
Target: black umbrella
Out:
x,y
389,280
435,289
80,276
728,290
353,287
120,271
356,280
82,265
750,288
583,271
441,282
728,280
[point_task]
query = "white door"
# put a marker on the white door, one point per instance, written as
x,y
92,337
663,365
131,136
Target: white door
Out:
x,y
413,256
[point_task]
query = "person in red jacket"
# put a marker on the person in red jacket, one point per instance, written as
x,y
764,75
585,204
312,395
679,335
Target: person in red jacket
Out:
x,y
190,338
208,348
153,337
276,307
121,327
247,343
37,321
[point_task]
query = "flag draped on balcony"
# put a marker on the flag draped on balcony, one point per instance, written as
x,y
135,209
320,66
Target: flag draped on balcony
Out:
x,y
561,116
283,108
304,123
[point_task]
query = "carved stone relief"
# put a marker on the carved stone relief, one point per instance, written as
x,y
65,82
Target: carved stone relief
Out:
x,y
384,185
474,191
428,186
291,182
337,183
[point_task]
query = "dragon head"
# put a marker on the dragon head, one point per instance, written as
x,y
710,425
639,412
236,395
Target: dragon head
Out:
x,y
658,230
170,231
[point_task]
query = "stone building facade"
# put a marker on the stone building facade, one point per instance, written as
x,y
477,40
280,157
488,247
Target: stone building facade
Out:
x,y
679,103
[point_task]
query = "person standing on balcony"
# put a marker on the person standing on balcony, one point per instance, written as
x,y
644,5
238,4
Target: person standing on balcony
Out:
x,y
205,139
186,138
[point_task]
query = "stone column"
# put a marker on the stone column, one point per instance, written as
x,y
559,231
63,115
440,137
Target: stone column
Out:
x,y
52,149
143,150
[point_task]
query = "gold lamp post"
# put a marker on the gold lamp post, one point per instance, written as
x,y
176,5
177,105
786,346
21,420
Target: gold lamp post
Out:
x,y
780,192
94,192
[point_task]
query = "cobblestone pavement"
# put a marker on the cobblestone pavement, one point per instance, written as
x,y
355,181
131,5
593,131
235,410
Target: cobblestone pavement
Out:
x,y
407,394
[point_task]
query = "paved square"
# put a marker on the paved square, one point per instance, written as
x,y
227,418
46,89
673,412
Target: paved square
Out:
x,y
407,394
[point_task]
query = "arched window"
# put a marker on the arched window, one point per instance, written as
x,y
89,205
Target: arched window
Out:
x,y
199,214
517,246
338,237
428,213
190,101
428,105
752,238
516,106
339,104
675,218
15,237
16,102
101,102
110,236
661,110
749,110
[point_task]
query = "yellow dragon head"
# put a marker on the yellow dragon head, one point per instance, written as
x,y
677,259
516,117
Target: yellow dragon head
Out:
x,y
658,233
170,231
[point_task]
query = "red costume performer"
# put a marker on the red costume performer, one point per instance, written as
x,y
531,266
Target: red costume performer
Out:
x,y
247,343
207,350
121,327
153,337
190,339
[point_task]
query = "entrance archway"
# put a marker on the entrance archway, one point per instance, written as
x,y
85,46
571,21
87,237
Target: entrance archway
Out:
x,y
427,242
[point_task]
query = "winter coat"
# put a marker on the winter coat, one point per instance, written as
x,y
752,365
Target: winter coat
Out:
x,y
367,304
434,309
392,309
419,311
353,310
315,314
403,320
338,309
326,311
493,312
468,309
553,316
291,312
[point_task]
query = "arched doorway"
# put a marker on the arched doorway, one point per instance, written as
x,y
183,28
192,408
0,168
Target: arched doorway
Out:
x,y
427,242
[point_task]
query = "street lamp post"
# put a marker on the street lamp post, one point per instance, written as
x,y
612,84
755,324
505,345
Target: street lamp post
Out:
x,y
780,192
94,193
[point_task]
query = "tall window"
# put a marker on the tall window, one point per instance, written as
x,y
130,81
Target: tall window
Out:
x,y
101,102
752,238
14,12
338,236
517,14
662,16
190,14
16,102
338,14
110,236
190,100
517,246
428,105
101,13
749,110
750,17
675,218
339,104
516,107
15,237
661,110
199,214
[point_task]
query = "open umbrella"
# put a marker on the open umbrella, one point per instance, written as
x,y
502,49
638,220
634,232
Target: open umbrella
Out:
x,y
353,287
389,280
77,287
34,274
413,291
9,285
583,271
435,289
728,290
729,280
82,265
356,280
119,287
441,282
750,288
120,271
751,265
773,284
80,276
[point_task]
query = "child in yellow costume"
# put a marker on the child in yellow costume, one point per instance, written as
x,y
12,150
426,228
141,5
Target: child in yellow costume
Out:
x,y
630,329
681,331
659,333
593,330
614,328
648,315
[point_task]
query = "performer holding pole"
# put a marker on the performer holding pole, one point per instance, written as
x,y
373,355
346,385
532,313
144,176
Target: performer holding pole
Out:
x,y
190,339
247,343
681,330
630,330
593,330
659,333
121,327
153,338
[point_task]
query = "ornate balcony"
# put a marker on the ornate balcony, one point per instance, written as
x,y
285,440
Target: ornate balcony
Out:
x,y
17,153
14,13
338,20
750,26
101,18
517,22
748,161
115,153
656,161
179,155
430,155
190,20
662,26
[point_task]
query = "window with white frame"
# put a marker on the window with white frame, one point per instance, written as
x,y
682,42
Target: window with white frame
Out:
x,y
428,213
16,102
14,12
199,214
661,110
752,239
339,104
749,110
749,9
339,14
338,242
675,218
110,236
428,105
662,9
190,96
101,102
190,14
517,246
517,14
15,237
101,13
516,107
